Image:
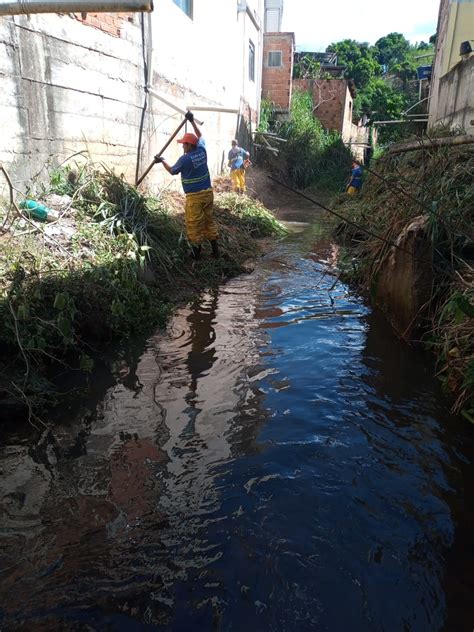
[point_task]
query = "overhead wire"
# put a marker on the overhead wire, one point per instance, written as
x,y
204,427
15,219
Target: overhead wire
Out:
x,y
363,228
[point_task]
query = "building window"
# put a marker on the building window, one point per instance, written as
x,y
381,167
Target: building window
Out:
x,y
186,6
274,59
251,61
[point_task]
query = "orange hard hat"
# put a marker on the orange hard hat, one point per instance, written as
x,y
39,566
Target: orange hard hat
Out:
x,y
192,139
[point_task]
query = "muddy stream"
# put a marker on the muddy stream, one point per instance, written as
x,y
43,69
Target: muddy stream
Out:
x,y
275,460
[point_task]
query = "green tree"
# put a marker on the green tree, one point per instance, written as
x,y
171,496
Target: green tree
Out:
x,y
391,49
306,68
359,60
381,101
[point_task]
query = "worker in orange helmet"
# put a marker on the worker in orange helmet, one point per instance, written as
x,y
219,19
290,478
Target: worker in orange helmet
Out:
x,y
196,181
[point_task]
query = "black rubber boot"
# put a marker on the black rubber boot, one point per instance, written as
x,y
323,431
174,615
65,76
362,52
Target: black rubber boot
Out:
x,y
215,248
196,252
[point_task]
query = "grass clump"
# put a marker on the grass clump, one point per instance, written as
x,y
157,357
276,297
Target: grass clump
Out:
x,y
114,264
311,156
435,184
249,215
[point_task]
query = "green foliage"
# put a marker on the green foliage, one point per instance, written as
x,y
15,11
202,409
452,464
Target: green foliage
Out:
x,y
266,113
385,78
361,64
311,154
128,263
458,307
306,68
383,103
252,216
391,49
66,180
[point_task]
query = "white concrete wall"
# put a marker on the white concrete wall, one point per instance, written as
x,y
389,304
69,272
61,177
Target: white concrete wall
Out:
x,y
455,98
204,62
452,84
67,87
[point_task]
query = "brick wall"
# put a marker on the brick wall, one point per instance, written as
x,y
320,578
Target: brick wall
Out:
x,y
277,81
110,23
330,97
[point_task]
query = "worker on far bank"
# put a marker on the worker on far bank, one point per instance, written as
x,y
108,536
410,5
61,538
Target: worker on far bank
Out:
x,y
238,160
355,183
196,181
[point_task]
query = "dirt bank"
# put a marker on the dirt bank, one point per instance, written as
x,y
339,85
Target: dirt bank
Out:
x,y
113,264
419,269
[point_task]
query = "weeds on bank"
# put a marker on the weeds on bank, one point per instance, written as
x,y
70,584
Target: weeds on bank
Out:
x,y
311,156
118,271
437,184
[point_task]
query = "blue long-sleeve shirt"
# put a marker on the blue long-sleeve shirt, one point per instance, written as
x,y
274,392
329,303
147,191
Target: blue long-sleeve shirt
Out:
x,y
193,168
237,155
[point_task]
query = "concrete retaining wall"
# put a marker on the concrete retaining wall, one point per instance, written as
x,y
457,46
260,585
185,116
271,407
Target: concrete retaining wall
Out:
x,y
72,83
455,98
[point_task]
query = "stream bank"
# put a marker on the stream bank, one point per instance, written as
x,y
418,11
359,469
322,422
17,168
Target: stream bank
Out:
x,y
113,266
417,259
275,453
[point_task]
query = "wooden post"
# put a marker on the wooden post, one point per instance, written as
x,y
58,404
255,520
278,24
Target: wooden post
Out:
x,y
160,152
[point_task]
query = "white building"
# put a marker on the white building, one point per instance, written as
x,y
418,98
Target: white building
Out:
x,y
452,85
74,82
273,15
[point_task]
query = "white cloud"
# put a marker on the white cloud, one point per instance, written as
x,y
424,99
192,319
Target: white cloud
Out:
x,y
317,23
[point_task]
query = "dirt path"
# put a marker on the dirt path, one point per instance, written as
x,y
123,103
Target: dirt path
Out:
x,y
286,205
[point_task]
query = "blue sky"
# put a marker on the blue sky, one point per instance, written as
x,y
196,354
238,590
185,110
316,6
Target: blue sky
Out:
x,y
317,23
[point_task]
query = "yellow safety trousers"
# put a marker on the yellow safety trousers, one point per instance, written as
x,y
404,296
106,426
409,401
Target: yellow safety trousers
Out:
x,y
352,190
238,179
200,224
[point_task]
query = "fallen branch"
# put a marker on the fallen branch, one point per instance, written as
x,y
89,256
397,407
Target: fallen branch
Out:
x,y
466,139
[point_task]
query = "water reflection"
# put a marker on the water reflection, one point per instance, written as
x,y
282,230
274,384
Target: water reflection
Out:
x,y
274,454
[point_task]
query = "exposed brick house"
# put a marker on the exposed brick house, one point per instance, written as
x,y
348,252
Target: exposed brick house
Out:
x,y
333,101
278,53
110,23
333,98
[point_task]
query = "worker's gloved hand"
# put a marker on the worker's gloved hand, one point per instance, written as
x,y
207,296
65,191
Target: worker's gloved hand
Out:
x,y
159,159
189,116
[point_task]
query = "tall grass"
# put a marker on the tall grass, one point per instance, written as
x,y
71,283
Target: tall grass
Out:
x,y
120,270
440,186
312,156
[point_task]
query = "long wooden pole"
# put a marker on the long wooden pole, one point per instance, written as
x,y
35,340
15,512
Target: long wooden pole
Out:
x,y
160,152
428,143
169,103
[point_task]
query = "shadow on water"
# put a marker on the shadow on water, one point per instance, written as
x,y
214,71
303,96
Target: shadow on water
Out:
x,y
276,460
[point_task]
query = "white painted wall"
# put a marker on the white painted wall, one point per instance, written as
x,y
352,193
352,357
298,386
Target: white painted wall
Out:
x,y
67,87
204,62
452,84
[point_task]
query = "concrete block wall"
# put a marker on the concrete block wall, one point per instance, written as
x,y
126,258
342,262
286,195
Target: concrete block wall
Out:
x,y
455,98
277,81
66,87
452,90
72,83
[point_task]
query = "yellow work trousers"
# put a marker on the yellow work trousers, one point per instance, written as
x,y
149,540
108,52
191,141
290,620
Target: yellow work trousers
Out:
x,y
238,179
352,190
200,224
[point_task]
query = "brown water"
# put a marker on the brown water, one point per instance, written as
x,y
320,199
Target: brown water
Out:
x,y
277,460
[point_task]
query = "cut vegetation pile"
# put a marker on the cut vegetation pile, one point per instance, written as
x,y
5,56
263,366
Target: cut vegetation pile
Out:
x,y
437,184
114,264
